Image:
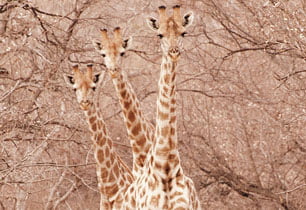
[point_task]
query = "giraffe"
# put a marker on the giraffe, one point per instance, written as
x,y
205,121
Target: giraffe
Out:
x,y
140,131
164,185
114,177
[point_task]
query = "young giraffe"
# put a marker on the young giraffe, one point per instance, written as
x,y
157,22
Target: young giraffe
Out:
x,y
114,177
140,131
164,185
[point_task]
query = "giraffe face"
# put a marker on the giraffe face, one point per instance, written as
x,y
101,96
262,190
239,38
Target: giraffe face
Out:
x,y
113,49
84,85
171,29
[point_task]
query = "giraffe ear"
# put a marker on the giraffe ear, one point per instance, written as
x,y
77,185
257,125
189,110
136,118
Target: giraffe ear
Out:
x,y
188,19
69,80
96,78
127,43
152,23
99,48
97,45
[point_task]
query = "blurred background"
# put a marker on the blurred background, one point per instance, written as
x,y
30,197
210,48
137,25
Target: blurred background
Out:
x,y
241,99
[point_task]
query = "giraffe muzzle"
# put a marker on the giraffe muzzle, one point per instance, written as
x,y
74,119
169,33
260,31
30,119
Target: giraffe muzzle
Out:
x,y
85,104
174,53
114,72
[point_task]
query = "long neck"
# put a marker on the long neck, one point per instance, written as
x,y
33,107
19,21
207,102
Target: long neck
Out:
x,y
114,176
140,131
165,152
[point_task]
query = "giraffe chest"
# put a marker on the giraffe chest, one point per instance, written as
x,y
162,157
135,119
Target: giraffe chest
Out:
x,y
147,192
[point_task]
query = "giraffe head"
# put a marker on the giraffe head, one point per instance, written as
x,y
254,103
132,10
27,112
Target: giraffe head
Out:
x,y
170,29
112,49
84,84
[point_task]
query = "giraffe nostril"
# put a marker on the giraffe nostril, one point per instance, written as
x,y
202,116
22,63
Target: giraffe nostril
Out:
x,y
174,51
84,102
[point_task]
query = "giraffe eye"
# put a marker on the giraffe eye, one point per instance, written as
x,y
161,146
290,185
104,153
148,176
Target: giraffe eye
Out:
x,y
74,89
183,34
160,36
71,79
122,54
103,55
94,88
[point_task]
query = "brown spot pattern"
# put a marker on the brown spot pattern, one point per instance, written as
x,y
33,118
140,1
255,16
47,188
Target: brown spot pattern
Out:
x,y
162,115
135,149
141,141
165,131
131,116
116,170
111,189
123,93
164,104
104,129
136,129
172,131
158,166
154,200
173,77
112,157
133,202
127,104
94,127
111,177
165,89
167,78
100,156
106,152
92,119
104,174
101,141
173,119
179,208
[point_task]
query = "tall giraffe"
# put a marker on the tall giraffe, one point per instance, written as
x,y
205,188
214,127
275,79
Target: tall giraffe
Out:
x,y
114,177
140,131
164,185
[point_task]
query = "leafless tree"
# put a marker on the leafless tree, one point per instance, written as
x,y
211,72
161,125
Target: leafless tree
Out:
x,y
242,96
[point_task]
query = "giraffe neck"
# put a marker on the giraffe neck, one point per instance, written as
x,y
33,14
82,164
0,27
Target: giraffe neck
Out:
x,y
165,152
113,175
140,131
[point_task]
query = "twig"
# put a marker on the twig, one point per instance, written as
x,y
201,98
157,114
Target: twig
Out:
x,y
288,191
5,95
51,195
64,197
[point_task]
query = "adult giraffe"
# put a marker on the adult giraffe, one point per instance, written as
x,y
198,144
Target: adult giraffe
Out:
x,y
163,185
114,176
140,131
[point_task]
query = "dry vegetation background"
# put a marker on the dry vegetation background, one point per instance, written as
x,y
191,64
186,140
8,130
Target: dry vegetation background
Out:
x,y
241,99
